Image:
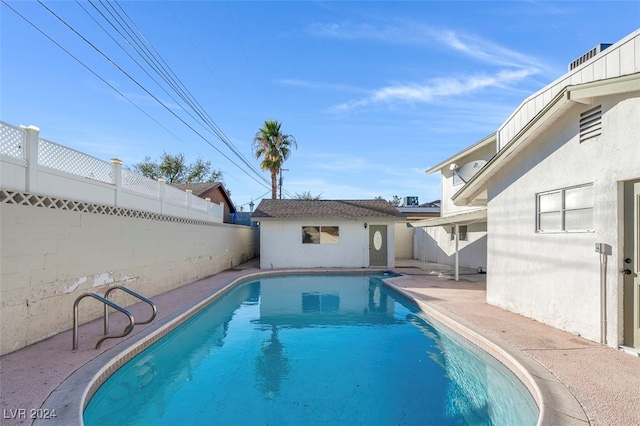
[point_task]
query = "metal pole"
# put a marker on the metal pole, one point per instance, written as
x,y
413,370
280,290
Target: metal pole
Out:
x,y
457,258
282,170
424,249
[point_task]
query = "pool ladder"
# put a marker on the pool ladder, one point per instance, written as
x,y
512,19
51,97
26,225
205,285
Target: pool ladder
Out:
x,y
115,306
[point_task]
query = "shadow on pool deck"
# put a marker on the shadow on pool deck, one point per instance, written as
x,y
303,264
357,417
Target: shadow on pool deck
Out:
x,y
604,381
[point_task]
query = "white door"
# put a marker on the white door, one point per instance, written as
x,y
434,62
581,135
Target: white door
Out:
x,y
631,265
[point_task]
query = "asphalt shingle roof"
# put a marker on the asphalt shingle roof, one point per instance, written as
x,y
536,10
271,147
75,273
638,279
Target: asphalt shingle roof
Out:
x,y
269,208
197,188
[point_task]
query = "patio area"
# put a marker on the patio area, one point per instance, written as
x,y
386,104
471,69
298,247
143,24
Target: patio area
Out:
x,y
587,383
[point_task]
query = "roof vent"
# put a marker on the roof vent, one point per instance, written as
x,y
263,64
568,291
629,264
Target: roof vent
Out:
x,y
590,54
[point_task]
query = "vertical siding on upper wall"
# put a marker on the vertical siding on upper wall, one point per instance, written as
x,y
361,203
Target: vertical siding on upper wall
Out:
x,y
622,58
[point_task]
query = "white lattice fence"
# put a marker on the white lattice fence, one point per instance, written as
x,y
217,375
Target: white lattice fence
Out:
x,y
71,161
35,177
175,195
135,182
199,203
12,141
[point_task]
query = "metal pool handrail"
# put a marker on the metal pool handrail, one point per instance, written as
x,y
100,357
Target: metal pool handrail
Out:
x,y
106,302
133,293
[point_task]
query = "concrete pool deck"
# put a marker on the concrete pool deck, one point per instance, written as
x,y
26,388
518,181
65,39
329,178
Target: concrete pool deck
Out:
x,y
603,382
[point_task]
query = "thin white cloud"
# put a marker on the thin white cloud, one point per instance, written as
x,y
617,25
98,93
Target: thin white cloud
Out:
x,y
417,33
315,85
486,51
513,66
338,163
435,89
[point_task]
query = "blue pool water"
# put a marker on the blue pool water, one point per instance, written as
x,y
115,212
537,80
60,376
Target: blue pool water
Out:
x,y
311,350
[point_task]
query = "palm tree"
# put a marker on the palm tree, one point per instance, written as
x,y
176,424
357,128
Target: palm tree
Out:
x,y
275,147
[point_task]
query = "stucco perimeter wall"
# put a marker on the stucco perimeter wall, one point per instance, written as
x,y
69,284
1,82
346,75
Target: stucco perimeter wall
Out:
x,y
435,243
404,241
51,256
554,278
281,245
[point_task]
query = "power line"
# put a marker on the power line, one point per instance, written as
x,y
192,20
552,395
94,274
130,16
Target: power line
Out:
x,y
158,68
191,101
139,85
90,70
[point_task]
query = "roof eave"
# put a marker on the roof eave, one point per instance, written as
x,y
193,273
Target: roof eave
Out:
x,y
584,93
480,144
478,183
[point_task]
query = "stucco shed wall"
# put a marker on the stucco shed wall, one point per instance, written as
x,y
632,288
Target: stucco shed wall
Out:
x,y
281,244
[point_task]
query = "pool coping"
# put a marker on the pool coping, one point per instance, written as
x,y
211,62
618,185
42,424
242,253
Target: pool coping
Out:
x,y
556,403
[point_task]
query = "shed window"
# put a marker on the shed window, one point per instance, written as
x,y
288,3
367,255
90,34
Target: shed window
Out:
x,y
565,210
320,235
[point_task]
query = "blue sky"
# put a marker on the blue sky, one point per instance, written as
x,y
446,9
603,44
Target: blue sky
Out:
x,y
374,92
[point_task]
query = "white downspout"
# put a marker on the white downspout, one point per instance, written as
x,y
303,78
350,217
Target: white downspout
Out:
x,y
457,228
603,295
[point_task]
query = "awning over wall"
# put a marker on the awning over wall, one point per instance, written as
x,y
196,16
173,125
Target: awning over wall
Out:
x,y
465,218
457,220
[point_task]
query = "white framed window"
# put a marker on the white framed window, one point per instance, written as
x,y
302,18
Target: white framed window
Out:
x,y
462,236
565,210
320,234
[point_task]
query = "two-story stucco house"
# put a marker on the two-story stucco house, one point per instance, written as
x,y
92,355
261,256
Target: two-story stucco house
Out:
x,y
562,198
459,236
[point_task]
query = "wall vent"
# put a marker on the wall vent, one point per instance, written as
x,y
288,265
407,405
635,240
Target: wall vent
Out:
x,y
591,123
587,56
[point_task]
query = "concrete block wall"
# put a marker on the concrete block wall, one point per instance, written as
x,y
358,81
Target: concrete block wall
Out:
x,y
51,256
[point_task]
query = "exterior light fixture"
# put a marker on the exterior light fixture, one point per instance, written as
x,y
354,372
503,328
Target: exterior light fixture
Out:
x,y
365,225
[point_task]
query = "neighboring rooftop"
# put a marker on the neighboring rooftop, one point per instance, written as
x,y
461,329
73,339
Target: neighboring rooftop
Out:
x,y
435,203
422,211
208,189
198,188
269,208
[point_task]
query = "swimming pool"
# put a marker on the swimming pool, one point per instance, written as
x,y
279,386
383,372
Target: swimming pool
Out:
x,y
311,349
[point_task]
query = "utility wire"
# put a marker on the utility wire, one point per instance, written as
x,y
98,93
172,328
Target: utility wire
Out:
x,y
190,99
100,78
129,55
119,68
141,87
91,71
206,64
